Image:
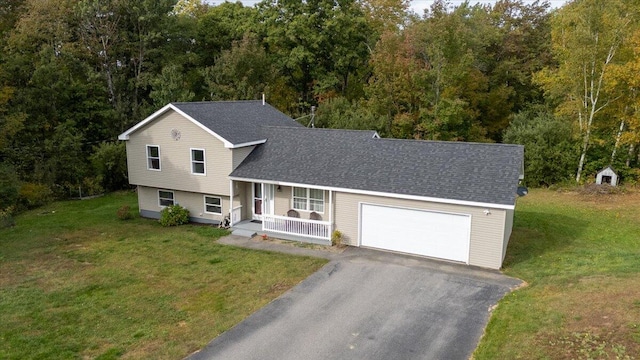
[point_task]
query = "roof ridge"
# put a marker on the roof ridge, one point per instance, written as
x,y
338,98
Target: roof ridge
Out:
x,y
318,129
216,102
450,142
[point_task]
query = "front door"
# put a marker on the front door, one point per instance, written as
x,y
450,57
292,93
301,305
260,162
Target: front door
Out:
x,y
257,201
262,200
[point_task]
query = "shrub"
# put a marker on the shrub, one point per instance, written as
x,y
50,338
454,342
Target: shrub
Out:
x,y
92,186
9,185
34,195
174,215
550,150
336,238
124,213
6,217
109,161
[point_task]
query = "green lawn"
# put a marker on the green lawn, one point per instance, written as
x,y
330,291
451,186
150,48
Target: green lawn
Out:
x,y
76,282
580,255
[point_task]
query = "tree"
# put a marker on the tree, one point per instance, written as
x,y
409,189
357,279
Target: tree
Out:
x,y
109,161
586,38
626,82
340,113
549,147
170,86
318,46
394,87
240,73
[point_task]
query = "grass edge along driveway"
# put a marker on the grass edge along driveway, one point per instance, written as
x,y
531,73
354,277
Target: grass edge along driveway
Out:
x,y
79,283
579,254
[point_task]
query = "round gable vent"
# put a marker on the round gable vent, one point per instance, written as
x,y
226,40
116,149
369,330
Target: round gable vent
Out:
x,y
175,134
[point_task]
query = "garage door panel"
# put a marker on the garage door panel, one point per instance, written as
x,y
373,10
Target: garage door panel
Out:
x,y
414,231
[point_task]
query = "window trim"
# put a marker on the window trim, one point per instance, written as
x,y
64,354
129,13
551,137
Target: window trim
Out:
x,y
205,204
148,157
173,194
307,198
204,161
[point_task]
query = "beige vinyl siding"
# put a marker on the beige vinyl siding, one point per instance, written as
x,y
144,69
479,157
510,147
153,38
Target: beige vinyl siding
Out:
x,y
487,231
175,157
194,202
507,231
240,154
284,203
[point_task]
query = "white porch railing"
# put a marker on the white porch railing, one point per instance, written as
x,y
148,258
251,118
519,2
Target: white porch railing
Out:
x,y
236,214
296,226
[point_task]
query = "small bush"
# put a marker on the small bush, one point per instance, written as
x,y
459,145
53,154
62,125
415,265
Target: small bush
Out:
x,y
9,185
124,213
34,195
336,238
174,215
92,186
6,217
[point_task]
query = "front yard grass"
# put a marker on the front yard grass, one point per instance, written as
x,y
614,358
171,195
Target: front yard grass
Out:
x,y
580,255
76,282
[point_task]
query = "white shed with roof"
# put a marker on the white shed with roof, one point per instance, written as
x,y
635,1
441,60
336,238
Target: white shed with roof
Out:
x,y
607,176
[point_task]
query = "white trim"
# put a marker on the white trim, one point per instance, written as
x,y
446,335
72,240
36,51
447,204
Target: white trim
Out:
x,y
125,135
204,198
361,203
308,198
204,161
231,203
257,142
378,193
255,216
159,157
173,194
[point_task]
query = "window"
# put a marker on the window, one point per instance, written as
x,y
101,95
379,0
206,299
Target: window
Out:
x,y
165,198
197,162
153,157
213,205
308,199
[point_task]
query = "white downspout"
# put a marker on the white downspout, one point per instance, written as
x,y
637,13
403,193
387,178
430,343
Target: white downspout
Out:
x,y
330,213
230,203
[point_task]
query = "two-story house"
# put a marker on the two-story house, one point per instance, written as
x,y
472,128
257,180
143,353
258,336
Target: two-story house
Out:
x,y
247,160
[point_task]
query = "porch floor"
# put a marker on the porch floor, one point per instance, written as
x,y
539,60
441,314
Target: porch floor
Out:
x,y
246,226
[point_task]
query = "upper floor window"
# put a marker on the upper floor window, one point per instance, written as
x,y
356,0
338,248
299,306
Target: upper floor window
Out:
x,y
197,162
153,157
308,199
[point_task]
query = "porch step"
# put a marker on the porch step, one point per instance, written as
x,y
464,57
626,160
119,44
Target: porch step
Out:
x,y
244,232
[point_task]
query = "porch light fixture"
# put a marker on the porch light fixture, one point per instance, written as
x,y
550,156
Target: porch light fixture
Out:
x,y
279,188
487,212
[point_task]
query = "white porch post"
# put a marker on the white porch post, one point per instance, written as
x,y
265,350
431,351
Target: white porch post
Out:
x,y
230,203
262,205
330,213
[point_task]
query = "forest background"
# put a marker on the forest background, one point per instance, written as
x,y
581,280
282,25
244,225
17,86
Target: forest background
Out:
x,y
76,73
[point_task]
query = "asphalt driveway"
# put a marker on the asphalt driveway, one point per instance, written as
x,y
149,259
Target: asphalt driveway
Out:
x,y
368,304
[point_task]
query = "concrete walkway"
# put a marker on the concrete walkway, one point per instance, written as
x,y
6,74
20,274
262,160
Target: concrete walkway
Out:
x,y
367,304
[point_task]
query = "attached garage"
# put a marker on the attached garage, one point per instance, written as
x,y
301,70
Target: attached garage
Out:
x,y
414,231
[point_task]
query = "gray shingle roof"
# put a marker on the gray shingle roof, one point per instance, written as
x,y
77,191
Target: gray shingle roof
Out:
x,y
475,172
238,122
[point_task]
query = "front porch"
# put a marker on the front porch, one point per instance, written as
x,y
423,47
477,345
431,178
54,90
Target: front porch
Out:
x,y
250,227
281,211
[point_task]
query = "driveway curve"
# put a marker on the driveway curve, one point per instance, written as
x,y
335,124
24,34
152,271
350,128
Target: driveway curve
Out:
x,y
367,304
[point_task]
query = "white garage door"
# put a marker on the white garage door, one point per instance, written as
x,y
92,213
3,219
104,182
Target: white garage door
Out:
x,y
434,234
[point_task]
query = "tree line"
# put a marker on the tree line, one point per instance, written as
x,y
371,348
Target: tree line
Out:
x,y
76,73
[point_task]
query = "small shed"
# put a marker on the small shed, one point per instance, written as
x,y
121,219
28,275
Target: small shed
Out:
x,y
607,176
